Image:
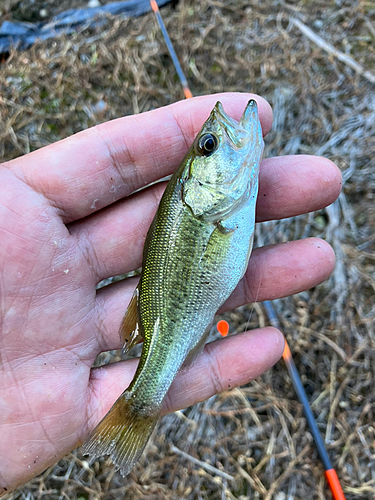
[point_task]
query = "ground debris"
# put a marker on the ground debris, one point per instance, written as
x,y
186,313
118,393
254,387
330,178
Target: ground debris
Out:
x,y
256,434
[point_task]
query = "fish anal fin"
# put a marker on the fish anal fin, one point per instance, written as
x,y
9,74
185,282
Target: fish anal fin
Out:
x,y
130,333
196,350
123,433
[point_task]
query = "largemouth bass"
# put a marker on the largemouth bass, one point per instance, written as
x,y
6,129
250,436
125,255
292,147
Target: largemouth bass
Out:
x,y
196,251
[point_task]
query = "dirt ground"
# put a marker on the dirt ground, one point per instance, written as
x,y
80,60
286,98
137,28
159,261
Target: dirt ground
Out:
x,y
257,434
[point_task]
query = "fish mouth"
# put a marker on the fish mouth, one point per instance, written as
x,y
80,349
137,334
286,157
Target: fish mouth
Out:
x,y
239,132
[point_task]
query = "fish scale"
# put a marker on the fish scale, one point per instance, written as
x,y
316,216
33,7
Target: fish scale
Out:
x,y
196,251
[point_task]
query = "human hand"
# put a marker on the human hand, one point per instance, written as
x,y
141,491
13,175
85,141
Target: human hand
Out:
x,y
67,221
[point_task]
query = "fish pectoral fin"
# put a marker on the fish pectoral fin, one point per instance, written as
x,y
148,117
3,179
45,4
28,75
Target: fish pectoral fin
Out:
x,y
227,225
130,334
123,433
196,350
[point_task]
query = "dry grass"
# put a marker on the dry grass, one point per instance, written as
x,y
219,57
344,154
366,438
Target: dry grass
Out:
x,y
254,438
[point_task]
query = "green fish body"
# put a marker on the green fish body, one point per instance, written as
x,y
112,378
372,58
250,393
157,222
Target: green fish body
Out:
x,y
197,250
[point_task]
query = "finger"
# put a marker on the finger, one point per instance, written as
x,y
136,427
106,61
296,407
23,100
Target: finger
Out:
x,y
274,271
284,269
99,166
223,364
113,239
292,185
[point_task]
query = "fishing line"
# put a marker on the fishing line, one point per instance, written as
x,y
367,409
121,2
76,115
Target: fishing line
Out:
x,y
223,326
254,302
259,238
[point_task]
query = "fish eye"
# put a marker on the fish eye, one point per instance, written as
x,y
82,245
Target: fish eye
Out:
x,y
207,144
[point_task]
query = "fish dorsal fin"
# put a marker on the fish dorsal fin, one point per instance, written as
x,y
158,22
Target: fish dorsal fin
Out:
x,y
196,350
130,333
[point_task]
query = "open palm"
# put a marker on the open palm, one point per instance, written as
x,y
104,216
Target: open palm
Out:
x,y
67,221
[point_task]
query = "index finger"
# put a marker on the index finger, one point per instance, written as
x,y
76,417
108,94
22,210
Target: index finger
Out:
x,y
101,165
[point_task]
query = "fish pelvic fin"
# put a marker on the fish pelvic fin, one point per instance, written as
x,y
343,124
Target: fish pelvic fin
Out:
x,y
123,433
130,332
196,351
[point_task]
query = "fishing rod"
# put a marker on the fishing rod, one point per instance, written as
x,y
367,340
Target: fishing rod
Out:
x,y
223,326
330,473
181,75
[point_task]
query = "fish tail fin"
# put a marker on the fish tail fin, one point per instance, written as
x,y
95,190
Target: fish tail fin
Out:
x,y
123,433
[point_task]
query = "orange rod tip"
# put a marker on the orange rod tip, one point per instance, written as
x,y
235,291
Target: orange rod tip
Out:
x,y
154,5
223,327
187,93
286,354
334,484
